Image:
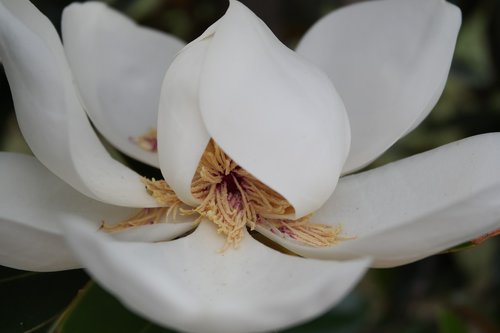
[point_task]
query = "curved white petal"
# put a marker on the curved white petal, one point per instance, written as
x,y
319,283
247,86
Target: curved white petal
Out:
x,y
33,202
119,68
182,137
389,61
49,112
275,114
416,207
33,249
186,284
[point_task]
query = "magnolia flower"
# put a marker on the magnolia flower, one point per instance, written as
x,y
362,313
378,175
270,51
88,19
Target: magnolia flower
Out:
x,y
249,134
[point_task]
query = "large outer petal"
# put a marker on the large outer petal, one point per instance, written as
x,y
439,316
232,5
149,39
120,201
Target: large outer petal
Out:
x,y
416,207
33,202
186,284
49,112
389,61
275,114
119,68
182,137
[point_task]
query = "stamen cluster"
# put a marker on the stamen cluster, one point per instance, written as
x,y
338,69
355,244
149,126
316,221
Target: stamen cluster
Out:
x,y
232,199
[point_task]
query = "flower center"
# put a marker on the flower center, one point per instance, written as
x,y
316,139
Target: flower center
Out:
x,y
232,199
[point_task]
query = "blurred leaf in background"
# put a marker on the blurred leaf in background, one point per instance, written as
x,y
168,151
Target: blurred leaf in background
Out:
x,y
31,302
457,292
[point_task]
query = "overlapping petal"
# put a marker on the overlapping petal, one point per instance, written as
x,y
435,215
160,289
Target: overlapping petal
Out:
x,y
182,137
264,106
415,207
389,61
119,67
187,284
33,201
49,112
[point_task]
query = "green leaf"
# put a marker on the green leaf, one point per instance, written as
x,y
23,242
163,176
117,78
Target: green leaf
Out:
x,y
96,311
449,322
31,301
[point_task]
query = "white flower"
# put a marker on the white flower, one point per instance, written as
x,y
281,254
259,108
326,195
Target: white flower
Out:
x,y
276,115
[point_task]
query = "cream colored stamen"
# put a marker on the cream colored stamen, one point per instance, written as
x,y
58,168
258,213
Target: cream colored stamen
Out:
x,y
147,141
232,199
161,192
143,217
223,200
164,195
312,234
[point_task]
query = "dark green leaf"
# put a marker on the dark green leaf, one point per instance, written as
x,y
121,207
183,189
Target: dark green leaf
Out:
x,y
31,301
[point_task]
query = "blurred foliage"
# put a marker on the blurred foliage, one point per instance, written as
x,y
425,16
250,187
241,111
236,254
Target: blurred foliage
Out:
x,y
446,293
31,301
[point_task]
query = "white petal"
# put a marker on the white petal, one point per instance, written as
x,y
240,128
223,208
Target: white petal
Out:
x,y
33,249
49,112
33,202
187,285
275,114
416,207
389,61
119,68
182,137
